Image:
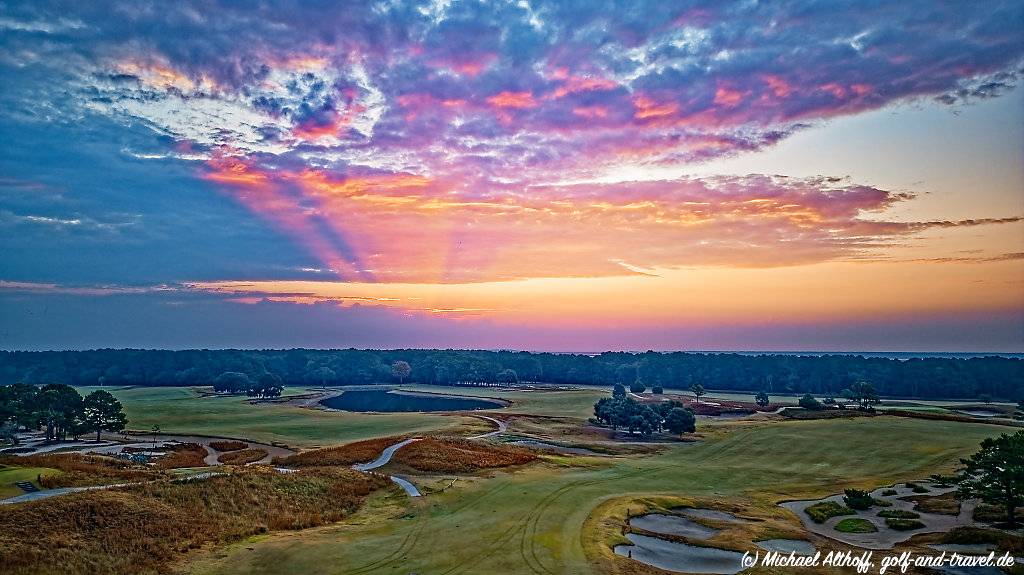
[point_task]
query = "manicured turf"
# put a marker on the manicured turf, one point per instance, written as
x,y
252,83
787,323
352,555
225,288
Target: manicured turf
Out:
x,y
530,521
184,410
9,475
855,525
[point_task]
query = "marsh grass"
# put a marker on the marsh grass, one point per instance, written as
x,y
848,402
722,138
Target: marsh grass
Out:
x,y
77,470
825,510
145,528
449,454
242,457
183,455
228,445
856,525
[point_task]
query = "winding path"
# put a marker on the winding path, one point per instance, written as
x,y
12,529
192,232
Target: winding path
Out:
x,y
46,494
385,457
502,427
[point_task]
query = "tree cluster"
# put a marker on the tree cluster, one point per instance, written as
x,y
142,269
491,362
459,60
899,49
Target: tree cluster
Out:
x,y
626,412
265,385
821,375
60,409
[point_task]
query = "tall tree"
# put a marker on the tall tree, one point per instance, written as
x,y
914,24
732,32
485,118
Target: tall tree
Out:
x,y
101,411
680,420
401,370
762,399
697,390
995,474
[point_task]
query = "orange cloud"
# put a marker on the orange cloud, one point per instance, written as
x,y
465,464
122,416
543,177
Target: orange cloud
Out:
x,y
515,100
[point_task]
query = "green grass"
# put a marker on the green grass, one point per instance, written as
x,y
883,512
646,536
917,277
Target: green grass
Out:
x,y
821,512
184,410
9,475
549,403
531,520
855,525
898,514
903,524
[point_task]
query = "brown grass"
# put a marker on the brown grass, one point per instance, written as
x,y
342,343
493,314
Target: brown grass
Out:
x,y
80,470
183,455
143,529
348,454
228,445
242,457
946,504
449,454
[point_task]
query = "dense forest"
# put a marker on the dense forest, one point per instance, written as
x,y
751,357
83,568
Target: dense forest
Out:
x,y
947,378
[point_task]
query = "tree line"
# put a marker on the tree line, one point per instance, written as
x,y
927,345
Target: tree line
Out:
x,y
59,409
822,375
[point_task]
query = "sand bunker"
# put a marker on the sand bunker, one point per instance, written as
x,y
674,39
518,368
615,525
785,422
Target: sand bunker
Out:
x,y
672,525
680,557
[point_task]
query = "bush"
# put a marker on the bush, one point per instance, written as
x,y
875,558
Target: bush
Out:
x,y
808,402
916,488
898,514
857,499
658,390
228,445
449,454
242,457
824,510
903,524
856,525
890,492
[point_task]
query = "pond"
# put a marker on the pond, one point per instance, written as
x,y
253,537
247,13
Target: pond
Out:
x,y
396,401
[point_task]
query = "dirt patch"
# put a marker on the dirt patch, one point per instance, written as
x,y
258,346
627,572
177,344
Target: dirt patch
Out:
x,y
449,454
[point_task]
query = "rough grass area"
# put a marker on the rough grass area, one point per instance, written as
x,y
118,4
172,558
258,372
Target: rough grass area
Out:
x,y
987,513
823,511
903,524
946,504
898,514
228,445
242,457
974,535
184,455
348,454
449,454
143,529
76,470
855,525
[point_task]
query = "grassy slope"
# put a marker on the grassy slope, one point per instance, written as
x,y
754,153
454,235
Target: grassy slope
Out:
x,y
530,521
9,475
182,410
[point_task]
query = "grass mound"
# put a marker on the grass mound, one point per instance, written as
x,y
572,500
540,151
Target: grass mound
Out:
x,y
228,445
183,455
916,488
946,504
889,492
898,514
856,525
78,470
449,454
242,457
143,529
348,454
824,510
903,524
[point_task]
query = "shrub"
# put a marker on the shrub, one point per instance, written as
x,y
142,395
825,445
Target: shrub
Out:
x,y
449,454
857,499
228,445
856,525
242,457
822,511
898,514
344,455
183,455
903,524
890,492
808,402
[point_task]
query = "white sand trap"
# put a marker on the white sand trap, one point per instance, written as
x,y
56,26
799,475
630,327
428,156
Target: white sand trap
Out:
x,y
787,546
672,525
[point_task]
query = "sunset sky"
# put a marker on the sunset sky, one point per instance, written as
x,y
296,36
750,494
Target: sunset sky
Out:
x,y
567,176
